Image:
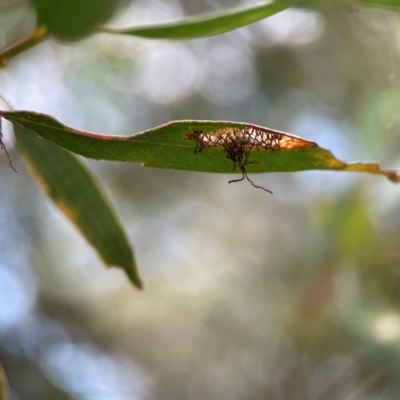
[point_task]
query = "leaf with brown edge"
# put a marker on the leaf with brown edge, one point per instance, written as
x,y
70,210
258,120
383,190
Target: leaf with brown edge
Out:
x,y
169,146
77,194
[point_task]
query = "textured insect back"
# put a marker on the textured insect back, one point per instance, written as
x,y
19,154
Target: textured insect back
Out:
x,y
261,138
195,136
204,140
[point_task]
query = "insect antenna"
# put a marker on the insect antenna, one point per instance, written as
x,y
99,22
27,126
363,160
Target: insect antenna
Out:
x,y
244,175
238,180
256,186
240,155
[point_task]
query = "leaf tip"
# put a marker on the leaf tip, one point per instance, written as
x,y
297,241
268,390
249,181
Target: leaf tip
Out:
x,y
394,176
133,275
136,281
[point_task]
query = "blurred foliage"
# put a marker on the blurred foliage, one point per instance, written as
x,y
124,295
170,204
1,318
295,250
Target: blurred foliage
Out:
x,y
291,296
207,25
72,18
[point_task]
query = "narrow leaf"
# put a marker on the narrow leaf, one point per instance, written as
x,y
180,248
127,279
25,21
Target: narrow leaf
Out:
x,y
78,195
172,146
206,25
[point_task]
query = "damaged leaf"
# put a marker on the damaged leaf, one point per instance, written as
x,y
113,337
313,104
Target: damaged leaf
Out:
x,y
172,146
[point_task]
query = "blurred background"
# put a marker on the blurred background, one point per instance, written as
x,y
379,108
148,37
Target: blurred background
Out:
x,y
247,295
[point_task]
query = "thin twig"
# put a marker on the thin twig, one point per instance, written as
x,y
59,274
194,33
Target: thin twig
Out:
x,y
32,39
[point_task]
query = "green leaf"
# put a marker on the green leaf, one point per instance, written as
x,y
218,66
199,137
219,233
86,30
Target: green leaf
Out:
x,y
75,192
69,19
207,25
167,146
4,390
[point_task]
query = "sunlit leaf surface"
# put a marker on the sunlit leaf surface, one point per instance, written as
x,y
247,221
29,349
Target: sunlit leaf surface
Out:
x,y
173,146
76,193
207,25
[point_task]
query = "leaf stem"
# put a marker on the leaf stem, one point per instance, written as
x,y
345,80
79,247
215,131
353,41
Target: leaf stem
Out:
x,y
32,39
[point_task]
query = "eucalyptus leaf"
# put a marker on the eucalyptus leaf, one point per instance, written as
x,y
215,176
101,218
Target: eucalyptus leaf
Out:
x,y
169,146
208,24
77,194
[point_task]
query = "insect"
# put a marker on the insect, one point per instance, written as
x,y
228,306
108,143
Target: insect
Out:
x,y
238,144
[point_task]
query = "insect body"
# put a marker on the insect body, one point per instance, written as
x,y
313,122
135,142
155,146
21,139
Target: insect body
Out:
x,y
238,144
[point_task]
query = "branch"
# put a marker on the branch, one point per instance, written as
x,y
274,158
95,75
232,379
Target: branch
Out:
x,y
32,39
